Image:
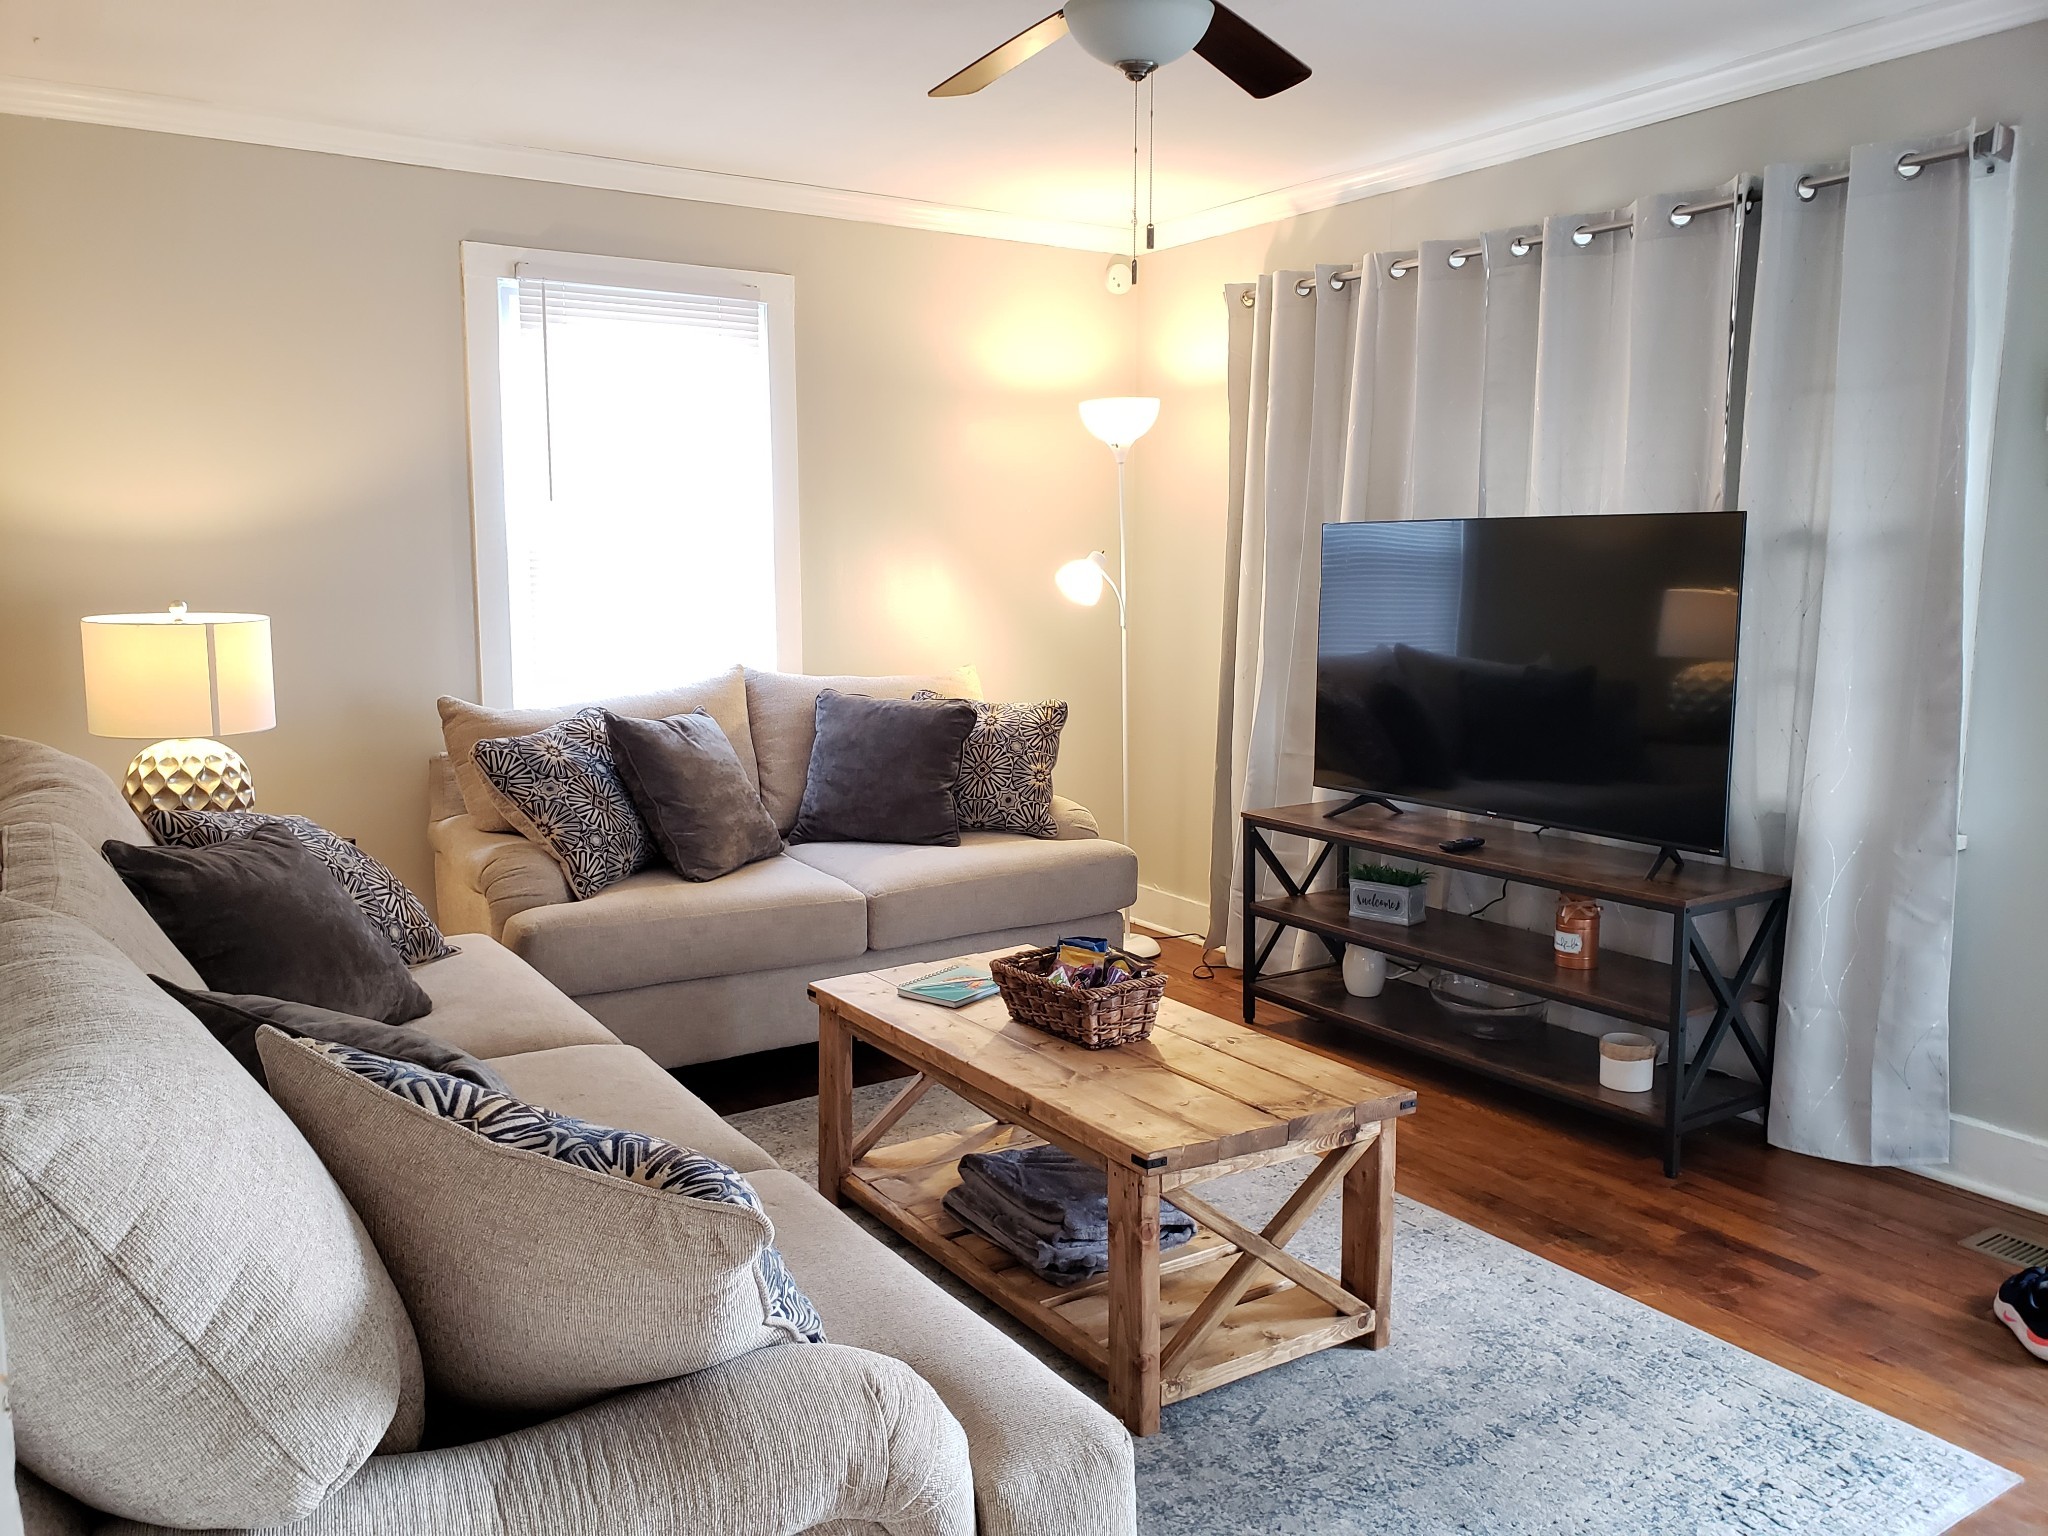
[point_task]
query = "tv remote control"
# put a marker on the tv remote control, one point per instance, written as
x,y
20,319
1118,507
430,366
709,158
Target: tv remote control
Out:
x,y
1462,844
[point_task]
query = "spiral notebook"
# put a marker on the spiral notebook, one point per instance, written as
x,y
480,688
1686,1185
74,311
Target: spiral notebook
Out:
x,y
952,986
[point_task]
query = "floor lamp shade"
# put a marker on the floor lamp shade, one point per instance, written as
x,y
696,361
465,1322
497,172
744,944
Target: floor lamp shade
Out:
x,y
187,678
1119,420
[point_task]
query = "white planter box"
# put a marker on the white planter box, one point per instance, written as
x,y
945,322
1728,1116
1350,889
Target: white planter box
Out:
x,y
1403,904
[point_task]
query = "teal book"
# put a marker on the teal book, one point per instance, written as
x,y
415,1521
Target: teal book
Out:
x,y
954,986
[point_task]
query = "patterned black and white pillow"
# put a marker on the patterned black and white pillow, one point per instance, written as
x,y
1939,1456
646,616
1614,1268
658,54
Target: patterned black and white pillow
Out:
x,y
392,909
1006,767
561,788
629,1155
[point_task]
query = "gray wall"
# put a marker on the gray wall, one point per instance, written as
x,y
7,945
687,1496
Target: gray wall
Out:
x,y
2000,1056
234,375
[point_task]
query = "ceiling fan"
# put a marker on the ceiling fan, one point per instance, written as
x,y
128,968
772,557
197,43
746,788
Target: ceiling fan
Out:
x,y
1138,36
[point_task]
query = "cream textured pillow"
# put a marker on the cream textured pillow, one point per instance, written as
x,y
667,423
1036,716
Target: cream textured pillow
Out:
x,y
201,1334
463,725
537,1282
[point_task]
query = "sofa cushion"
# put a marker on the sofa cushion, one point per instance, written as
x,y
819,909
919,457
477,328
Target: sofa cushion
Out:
x,y
202,1333
39,783
393,910
47,863
1012,1407
782,711
260,914
657,927
463,725
884,771
822,1440
703,812
619,1085
1006,767
560,788
233,1018
491,1003
992,880
545,1261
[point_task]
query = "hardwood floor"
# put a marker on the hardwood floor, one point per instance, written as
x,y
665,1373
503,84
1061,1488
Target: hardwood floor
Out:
x,y
1850,1276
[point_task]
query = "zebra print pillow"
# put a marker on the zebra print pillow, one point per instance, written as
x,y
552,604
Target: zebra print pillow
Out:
x,y
628,1155
1006,766
562,789
392,909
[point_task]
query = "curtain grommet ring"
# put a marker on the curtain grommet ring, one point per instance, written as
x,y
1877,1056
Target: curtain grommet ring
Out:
x,y
1456,259
1305,288
1519,247
1582,237
1248,299
1908,167
1680,218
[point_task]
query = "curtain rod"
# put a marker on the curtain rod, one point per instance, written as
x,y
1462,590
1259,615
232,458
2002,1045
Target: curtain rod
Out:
x,y
1994,143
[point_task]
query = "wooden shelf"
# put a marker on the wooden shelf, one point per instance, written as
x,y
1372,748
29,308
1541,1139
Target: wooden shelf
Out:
x,y
1561,1063
904,1186
1596,869
1622,986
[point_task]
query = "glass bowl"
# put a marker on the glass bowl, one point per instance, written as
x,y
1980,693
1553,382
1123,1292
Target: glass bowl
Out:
x,y
1486,1011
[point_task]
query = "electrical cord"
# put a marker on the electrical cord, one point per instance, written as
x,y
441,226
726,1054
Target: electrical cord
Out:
x,y
1482,911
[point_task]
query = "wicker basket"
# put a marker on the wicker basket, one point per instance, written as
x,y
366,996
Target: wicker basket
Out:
x,y
1094,1017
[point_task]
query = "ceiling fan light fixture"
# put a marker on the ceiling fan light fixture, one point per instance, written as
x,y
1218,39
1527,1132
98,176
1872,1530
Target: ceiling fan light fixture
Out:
x,y
1138,36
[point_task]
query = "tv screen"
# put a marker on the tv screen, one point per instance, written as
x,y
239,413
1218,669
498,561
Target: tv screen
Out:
x,y
1572,672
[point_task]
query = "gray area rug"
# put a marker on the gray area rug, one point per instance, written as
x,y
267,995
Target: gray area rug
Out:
x,y
1517,1398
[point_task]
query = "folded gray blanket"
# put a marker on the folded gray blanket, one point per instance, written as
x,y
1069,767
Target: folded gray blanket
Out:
x,y
1047,1210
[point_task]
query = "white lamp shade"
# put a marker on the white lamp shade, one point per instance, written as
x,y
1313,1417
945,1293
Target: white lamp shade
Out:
x,y
1120,420
1138,31
1080,581
177,674
1699,622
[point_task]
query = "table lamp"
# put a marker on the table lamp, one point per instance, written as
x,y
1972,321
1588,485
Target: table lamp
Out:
x,y
186,677
1118,421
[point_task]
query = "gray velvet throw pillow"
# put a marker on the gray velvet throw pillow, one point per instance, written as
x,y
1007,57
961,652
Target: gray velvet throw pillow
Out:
x,y
233,1019
884,771
262,915
688,785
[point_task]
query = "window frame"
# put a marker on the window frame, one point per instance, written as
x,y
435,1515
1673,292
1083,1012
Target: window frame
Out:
x,y
483,267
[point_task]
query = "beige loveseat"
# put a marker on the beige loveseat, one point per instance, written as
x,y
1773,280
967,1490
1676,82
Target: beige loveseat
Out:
x,y
697,972
165,1284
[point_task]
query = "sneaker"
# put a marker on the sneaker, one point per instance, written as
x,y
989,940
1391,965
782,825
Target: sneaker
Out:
x,y
2022,1305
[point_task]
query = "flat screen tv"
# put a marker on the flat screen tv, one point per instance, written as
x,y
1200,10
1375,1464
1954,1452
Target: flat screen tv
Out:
x,y
1570,672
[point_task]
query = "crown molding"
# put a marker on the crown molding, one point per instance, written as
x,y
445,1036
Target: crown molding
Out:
x,y
1473,146
167,114
1575,120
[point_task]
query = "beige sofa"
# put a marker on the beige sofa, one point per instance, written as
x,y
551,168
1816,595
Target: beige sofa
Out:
x,y
696,972
918,1418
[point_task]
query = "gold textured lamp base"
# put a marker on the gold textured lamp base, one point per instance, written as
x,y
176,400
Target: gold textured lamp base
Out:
x,y
189,773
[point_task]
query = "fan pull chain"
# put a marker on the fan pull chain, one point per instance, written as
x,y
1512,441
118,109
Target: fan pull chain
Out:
x,y
1137,108
1151,151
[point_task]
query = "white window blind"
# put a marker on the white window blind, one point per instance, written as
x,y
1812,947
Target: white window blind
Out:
x,y
637,429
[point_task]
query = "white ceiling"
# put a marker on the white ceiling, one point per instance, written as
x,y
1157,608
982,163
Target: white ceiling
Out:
x,y
782,99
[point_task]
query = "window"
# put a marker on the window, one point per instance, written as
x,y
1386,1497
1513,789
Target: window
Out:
x,y
633,464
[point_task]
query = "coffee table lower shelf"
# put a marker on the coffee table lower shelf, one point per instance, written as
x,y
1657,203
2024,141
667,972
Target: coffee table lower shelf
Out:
x,y
1274,1321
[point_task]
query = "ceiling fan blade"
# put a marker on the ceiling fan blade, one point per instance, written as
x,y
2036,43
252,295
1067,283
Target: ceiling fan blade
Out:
x,y
1249,57
992,66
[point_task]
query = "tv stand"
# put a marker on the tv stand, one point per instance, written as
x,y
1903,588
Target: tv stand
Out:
x,y
1666,855
1357,801
1687,987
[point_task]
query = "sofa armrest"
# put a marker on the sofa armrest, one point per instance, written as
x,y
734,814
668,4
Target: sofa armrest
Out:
x,y
483,878
1072,820
787,1438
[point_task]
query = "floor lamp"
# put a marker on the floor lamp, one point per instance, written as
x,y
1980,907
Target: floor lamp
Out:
x,y
1118,421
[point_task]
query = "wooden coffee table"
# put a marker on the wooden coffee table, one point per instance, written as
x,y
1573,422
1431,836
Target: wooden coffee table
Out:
x,y
1201,1098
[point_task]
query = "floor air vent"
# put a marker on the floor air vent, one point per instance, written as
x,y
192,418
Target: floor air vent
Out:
x,y
2012,1249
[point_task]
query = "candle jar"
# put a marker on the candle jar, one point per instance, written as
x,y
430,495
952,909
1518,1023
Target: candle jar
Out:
x,y
1576,938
